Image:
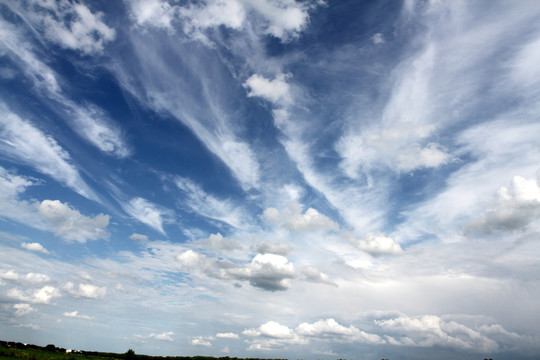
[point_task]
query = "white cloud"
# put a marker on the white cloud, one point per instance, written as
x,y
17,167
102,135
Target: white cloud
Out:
x,y
71,225
282,19
378,39
31,278
147,212
267,271
92,124
430,330
75,314
272,334
88,291
139,237
330,328
9,275
227,335
72,26
216,242
376,244
37,247
23,309
43,295
201,341
89,121
155,13
36,278
514,207
292,219
23,142
276,91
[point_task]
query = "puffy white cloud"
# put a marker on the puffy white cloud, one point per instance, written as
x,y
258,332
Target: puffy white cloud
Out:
x,y
282,19
276,91
376,244
400,146
514,208
9,275
71,225
75,314
227,335
42,295
147,212
31,278
272,334
271,329
378,39
330,328
216,242
431,330
139,237
154,13
267,271
164,336
23,142
72,25
312,274
88,291
292,219
273,248
201,341
37,247
23,309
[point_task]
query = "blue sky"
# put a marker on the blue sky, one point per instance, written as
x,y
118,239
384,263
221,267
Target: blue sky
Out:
x,y
271,178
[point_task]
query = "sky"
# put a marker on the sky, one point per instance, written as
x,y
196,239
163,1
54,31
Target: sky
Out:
x,y
271,178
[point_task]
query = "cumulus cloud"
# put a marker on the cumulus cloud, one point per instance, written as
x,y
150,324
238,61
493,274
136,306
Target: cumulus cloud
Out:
x,y
269,272
266,271
71,25
75,314
514,208
37,247
378,39
164,336
147,212
273,248
216,242
282,19
376,244
273,335
201,341
292,219
88,291
139,237
430,330
330,328
23,309
30,278
227,335
71,225
276,91
401,146
42,295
